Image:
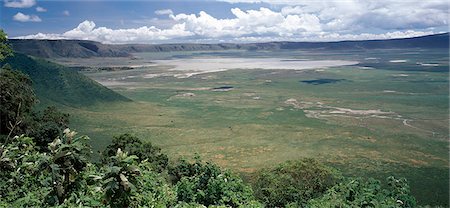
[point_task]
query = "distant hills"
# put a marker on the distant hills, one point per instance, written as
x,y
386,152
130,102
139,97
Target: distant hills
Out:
x,y
56,84
65,48
86,49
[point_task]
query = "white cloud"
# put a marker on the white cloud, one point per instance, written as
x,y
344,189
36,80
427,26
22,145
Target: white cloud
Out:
x,y
21,17
262,22
291,23
41,9
242,1
164,12
66,13
353,15
19,3
87,31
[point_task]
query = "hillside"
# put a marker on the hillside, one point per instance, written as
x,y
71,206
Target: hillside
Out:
x,y
85,49
65,48
57,84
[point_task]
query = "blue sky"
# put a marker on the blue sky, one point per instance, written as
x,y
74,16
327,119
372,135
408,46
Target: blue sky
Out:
x,y
172,21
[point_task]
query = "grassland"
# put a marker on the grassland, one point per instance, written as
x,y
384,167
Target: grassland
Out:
x,y
382,117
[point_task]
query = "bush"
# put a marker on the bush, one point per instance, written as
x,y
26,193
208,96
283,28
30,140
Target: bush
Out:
x,y
24,182
294,182
207,184
367,193
68,159
48,126
142,150
153,189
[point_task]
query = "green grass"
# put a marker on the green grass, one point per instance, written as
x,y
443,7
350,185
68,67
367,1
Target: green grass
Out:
x,y
55,84
245,134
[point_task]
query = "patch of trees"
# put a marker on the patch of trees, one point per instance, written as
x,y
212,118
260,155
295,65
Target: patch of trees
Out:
x,y
17,114
45,164
64,177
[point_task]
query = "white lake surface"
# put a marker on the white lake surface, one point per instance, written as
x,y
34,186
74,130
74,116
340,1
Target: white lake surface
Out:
x,y
196,66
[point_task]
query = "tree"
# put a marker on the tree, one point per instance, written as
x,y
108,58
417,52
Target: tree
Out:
x,y
294,182
47,126
16,102
17,99
5,49
134,146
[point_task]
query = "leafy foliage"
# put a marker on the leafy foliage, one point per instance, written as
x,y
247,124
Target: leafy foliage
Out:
x,y
294,182
23,181
367,193
87,191
69,157
120,179
142,150
64,177
5,48
152,189
128,183
207,184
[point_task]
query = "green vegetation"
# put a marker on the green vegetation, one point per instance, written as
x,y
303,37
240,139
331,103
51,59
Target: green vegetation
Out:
x,y
17,99
5,48
144,151
58,85
294,182
48,125
65,178
251,127
207,184
17,110
134,173
366,193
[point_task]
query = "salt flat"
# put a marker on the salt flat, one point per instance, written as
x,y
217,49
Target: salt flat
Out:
x,y
206,65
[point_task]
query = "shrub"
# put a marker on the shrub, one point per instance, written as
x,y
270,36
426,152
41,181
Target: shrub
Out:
x,y
142,150
23,180
366,193
207,184
294,182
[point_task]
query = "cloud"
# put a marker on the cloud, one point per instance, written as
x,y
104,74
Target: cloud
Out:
x,y
262,22
87,30
357,14
41,9
242,1
21,17
289,23
66,13
164,12
19,3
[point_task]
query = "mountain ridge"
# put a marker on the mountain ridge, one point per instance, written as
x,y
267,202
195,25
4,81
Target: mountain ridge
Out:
x,y
87,49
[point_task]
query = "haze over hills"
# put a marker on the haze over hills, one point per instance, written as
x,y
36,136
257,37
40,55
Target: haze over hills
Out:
x,y
65,48
56,84
86,49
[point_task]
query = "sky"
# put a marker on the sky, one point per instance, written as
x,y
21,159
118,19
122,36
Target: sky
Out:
x,y
218,21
